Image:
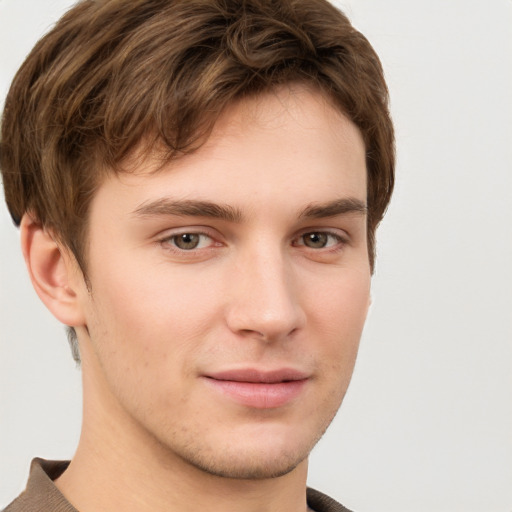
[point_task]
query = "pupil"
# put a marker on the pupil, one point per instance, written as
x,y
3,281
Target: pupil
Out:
x,y
187,241
315,240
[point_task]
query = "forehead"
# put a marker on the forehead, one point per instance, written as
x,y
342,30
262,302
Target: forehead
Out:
x,y
287,143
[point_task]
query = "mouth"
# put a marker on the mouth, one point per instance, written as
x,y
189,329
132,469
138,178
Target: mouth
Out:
x,y
259,389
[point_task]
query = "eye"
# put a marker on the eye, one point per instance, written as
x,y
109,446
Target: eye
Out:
x,y
189,241
319,240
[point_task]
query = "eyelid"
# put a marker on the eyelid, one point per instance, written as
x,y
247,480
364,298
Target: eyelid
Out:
x,y
180,230
166,236
339,234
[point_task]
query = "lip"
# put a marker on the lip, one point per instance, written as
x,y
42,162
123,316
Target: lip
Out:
x,y
259,389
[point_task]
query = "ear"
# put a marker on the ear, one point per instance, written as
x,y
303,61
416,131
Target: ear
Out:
x,y
370,304
53,271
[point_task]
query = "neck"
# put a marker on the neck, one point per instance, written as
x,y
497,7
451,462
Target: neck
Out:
x,y
118,466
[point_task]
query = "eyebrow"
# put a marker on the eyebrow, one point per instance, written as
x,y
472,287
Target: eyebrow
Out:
x,y
334,208
189,208
196,208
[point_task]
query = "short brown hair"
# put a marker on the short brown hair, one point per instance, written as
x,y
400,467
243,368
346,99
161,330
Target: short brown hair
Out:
x,y
112,73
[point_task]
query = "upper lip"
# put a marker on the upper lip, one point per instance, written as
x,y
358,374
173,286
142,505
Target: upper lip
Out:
x,y
259,376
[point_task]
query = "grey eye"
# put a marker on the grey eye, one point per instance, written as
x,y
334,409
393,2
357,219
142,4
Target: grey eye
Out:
x,y
187,241
316,240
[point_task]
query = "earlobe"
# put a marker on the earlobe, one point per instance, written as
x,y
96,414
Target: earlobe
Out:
x,y
369,306
53,272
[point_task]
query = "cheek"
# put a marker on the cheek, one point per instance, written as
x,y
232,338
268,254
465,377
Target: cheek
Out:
x,y
151,312
339,315
343,305
145,329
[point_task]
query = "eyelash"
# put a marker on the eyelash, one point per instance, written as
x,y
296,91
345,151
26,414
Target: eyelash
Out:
x,y
169,242
339,241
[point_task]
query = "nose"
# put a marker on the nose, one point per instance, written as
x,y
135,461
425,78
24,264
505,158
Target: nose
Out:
x,y
263,297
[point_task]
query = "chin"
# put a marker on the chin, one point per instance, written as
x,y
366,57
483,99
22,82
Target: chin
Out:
x,y
257,455
249,467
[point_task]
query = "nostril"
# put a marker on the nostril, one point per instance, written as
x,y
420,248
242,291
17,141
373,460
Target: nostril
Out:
x,y
253,332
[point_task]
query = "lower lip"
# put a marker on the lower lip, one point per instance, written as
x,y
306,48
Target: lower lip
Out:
x,y
259,395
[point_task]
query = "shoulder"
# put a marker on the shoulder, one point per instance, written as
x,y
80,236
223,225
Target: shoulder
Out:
x,y
320,502
19,505
41,494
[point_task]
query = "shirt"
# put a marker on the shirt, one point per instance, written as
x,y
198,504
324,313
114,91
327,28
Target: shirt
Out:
x,y
42,495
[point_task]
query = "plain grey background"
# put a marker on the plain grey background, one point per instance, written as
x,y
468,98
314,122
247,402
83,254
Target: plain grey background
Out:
x,y
427,422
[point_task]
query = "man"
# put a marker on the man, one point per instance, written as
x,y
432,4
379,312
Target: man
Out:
x,y
198,185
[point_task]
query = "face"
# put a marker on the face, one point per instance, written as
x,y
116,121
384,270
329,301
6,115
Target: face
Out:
x,y
230,288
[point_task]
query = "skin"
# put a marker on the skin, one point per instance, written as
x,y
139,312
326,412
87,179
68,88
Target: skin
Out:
x,y
272,284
